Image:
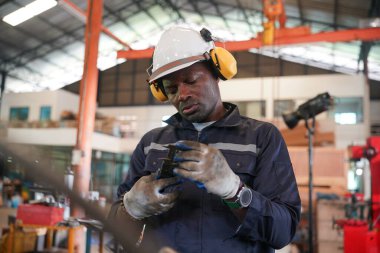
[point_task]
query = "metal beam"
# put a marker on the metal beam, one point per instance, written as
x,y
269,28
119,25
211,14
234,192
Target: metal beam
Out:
x,y
336,7
300,10
38,52
5,2
366,34
87,102
138,3
104,29
23,61
175,9
220,14
119,18
197,11
57,43
2,84
245,16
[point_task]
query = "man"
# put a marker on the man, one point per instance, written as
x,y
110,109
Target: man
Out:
x,y
234,187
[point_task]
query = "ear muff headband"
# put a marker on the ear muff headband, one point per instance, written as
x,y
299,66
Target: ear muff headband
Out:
x,y
222,61
176,63
156,87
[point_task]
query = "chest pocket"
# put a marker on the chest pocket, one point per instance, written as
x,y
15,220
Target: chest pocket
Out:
x,y
243,164
154,160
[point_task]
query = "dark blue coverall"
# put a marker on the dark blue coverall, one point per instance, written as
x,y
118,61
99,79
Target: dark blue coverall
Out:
x,y
200,222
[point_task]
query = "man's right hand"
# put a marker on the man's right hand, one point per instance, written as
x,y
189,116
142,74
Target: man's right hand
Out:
x,y
146,198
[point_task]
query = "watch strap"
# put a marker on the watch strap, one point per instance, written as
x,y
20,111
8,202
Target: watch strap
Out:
x,y
234,201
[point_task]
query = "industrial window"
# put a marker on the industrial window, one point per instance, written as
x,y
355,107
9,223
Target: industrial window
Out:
x,y
252,109
45,113
19,113
347,111
125,85
107,171
281,106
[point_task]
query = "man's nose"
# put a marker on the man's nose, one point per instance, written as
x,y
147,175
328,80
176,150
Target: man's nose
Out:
x,y
183,92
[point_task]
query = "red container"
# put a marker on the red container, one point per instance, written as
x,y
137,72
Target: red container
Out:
x,y
39,214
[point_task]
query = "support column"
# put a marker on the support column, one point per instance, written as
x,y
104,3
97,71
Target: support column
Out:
x,y
2,88
87,104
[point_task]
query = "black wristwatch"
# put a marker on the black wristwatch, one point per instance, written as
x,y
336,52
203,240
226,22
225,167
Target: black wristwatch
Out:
x,y
242,199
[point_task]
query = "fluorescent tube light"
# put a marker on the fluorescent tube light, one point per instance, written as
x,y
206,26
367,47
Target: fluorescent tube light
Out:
x,y
29,11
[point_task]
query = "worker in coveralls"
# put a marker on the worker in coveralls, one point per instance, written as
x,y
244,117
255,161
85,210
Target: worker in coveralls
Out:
x,y
233,187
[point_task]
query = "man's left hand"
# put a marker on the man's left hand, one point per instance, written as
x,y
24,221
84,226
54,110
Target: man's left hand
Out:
x,y
207,165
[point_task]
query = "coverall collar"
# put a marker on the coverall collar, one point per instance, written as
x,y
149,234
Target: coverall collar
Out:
x,y
230,119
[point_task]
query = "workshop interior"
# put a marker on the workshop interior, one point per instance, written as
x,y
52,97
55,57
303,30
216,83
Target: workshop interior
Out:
x,y
75,102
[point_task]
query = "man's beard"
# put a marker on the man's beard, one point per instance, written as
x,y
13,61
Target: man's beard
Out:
x,y
197,117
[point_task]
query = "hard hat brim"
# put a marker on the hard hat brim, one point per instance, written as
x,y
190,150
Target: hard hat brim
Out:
x,y
167,72
175,66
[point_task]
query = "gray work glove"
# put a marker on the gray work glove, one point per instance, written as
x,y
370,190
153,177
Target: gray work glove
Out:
x,y
207,165
167,250
146,199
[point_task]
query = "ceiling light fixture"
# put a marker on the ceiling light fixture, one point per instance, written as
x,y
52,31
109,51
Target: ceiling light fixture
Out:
x,y
29,11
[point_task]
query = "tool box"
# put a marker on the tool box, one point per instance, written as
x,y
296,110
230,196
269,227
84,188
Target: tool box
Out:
x,y
39,214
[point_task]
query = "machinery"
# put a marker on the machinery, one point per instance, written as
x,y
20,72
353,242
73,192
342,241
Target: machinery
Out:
x,y
362,235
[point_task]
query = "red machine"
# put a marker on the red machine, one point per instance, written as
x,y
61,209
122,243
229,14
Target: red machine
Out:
x,y
363,236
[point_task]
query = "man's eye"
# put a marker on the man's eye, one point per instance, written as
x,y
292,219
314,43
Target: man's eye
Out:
x,y
170,90
191,81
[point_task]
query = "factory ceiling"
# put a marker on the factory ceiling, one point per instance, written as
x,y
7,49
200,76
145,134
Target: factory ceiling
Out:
x,y
47,51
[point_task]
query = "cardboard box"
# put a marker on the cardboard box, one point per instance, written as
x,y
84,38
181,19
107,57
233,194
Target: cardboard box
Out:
x,y
21,241
330,247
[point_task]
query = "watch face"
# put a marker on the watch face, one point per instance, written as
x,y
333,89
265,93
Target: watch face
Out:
x,y
245,197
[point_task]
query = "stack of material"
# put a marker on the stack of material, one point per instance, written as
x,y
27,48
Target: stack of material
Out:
x,y
43,124
329,171
68,115
49,124
68,124
68,119
20,241
18,124
5,213
329,237
323,134
110,126
3,129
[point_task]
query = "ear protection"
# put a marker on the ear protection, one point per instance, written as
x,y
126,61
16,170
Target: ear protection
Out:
x,y
158,90
222,62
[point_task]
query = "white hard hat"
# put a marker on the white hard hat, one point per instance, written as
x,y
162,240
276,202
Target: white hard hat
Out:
x,y
178,48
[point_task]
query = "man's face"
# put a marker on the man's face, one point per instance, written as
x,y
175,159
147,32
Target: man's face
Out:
x,y
195,93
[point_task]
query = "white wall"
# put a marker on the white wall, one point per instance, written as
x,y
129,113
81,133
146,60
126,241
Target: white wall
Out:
x,y
59,100
290,87
67,137
146,117
300,88
65,101
375,111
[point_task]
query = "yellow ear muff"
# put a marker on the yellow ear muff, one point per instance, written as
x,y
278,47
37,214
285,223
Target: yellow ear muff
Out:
x,y
224,63
157,92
